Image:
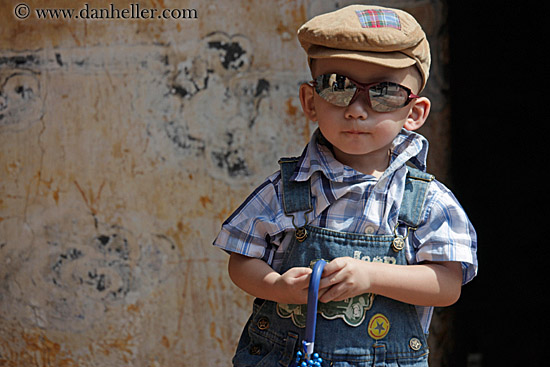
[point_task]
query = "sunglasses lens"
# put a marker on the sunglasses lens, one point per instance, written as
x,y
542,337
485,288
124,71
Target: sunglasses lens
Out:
x,y
386,97
335,88
340,90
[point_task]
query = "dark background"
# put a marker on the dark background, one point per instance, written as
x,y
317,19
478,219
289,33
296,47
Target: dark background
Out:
x,y
498,81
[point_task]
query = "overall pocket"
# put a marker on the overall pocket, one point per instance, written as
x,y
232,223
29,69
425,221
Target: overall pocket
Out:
x,y
263,352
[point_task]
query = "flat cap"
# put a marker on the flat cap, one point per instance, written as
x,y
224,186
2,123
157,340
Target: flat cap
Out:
x,y
375,34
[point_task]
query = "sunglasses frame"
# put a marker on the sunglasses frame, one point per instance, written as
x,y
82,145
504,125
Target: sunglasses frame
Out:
x,y
362,87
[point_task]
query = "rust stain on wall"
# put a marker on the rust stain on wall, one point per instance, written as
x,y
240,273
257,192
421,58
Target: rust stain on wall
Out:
x,y
38,351
90,198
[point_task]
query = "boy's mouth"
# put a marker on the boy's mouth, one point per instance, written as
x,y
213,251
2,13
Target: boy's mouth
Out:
x,y
355,132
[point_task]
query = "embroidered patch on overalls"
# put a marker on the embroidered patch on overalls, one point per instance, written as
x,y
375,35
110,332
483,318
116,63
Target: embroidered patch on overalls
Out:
x,y
378,18
352,310
296,312
379,326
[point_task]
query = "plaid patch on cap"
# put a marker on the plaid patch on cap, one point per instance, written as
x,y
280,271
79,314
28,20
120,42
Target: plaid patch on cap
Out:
x,y
378,18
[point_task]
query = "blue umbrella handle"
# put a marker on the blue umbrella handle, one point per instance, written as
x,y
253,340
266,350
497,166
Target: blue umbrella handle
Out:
x,y
312,298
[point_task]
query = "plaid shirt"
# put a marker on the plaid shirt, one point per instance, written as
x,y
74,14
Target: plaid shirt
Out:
x,y
348,201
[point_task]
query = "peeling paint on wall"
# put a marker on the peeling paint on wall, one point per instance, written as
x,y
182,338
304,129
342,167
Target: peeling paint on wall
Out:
x,y
21,103
125,145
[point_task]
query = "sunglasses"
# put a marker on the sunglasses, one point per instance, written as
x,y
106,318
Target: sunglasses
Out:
x,y
342,91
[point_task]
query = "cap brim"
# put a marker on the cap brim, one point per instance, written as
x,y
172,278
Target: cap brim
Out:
x,y
396,60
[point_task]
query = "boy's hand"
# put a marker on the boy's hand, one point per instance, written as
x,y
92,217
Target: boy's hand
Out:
x,y
344,277
257,278
292,286
425,284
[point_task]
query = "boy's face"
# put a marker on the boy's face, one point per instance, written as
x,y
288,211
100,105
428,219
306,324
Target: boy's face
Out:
x,y
356,130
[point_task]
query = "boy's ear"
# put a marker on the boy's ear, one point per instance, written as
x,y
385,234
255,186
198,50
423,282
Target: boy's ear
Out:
x,y
306,99
418,114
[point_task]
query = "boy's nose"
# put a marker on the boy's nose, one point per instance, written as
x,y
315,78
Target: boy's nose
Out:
x,y
358,108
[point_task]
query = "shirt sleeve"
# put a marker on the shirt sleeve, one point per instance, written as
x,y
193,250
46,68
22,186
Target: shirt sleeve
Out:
x,y
446,233
259,218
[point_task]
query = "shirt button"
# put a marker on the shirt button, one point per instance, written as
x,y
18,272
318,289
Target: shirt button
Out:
x,y
369,230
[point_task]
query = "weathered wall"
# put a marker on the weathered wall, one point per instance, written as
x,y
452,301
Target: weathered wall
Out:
x,y
124,145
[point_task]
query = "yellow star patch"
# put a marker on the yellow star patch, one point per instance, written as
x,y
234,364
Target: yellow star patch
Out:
x,y
379,326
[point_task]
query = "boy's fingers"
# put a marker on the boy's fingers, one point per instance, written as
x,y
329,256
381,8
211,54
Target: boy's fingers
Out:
x,y
333,266
328,281
330,294
300,276
322,293
299,272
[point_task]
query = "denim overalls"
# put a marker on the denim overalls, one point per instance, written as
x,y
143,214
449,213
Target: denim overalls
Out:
x,y
366,330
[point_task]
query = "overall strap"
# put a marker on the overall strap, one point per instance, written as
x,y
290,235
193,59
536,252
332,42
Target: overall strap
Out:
x,y
414,196
296,195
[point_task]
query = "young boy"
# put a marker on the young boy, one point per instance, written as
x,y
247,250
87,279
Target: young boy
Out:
x,y
396,240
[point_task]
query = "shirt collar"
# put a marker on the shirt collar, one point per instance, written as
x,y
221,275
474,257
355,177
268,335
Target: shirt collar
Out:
x,y
408,146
